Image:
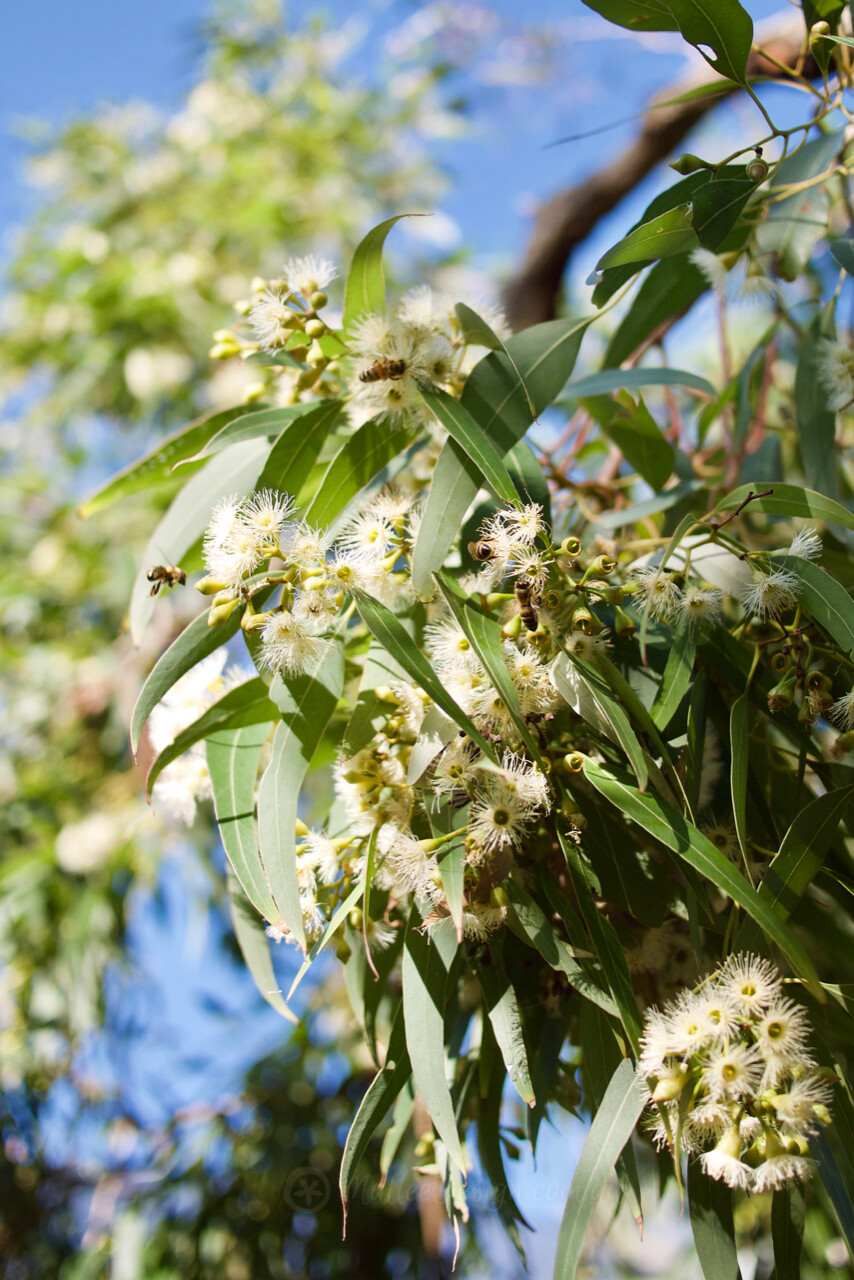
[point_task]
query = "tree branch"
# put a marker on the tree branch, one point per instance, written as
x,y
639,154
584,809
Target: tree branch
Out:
x,y
568,218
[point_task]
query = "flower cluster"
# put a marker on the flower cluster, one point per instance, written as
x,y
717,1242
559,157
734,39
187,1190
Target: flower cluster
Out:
x,y
729,1075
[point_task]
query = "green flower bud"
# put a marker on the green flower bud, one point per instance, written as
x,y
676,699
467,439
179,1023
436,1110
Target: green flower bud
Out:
x,y
318,299
315,328
210,586
222,609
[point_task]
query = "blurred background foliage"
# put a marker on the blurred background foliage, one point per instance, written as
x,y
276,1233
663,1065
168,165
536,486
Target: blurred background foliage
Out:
x,y
148,228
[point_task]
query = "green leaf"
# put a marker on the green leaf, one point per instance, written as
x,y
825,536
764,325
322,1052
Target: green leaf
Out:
x,y
158,464
823,598
835,1187
720,25
478,447
710,1207
650,506
671,287
452,871
717,206
793,225
483,634
295,453
611,1129
255,948
495,397
233,767
636,433
392,635
382,1091
364,293
790,500
338,918
195,642
815,420
306,704
393,1136
423,978
843,252
602,1057
637,15
590,696
788,1213
668,826
739,728
529,478
609,380
251,426
503,1010
477,332
248,704
675,679
232,471
370,713
799,859
492,1079
533,923
663,237
360,458
606,944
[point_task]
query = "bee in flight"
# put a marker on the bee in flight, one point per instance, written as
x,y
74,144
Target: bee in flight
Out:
x,y
382,370
524,591
165,575
482,550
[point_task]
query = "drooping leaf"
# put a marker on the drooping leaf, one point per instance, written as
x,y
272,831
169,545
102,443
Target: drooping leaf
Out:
x,y
482,633
495,397
610,380
788,1213
815,420
799,859
588,693
602,1057
835,1187
638,436
231,472
793,225
611,1129
424,977
489,1140
392,635
710,1207
157,466
503,1010
668,826
843,252
195,642
671,288
663,237
252,426
825,600
717,206
306,704
255,948
675,679
533,923
248,704
478,447
721,30
232,758
364,293
790,500
295,453
452,871
739,728
360,458
382,1091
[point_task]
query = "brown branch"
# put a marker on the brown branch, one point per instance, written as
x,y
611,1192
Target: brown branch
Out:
x,y
568,218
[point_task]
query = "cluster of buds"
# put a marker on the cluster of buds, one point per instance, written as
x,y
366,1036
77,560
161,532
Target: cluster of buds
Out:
x,y
729,1076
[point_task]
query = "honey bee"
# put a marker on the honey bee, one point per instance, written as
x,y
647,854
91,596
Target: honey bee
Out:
x,y
381,370
165,575
527,604
482,550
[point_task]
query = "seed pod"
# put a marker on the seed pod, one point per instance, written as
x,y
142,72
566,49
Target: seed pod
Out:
x,y
780,663
574,762
782,695
571,547
582,620
623,624
817,682
603,564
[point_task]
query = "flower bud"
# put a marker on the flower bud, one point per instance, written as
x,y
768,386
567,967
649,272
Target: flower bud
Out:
x,y
613,595
210,586
782,695
222,609
669,1086
254,391
316,357
623,624
223,350
243,306
688,163
318,299
315,328
254,621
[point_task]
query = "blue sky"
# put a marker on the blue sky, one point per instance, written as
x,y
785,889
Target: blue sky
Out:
x,y
60,60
